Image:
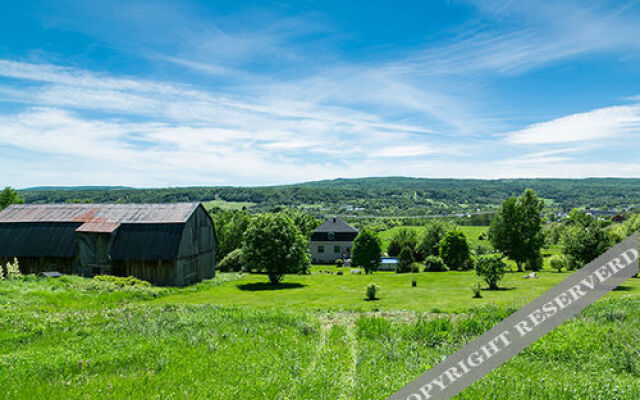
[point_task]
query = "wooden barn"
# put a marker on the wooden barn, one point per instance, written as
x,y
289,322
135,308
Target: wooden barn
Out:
x,y
165,244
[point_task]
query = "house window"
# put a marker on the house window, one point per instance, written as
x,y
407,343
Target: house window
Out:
x,y
320,249
331,235
336,249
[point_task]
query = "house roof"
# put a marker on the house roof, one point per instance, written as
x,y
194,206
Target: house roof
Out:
x,y
335,225
99,217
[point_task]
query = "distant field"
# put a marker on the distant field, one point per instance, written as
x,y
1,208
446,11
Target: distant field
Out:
x,y
471,232
227,205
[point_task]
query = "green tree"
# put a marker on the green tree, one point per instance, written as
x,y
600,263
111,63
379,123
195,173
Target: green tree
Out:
x,y
491,268
583,244
232,262
405,260
9,196
366,250
454,250
402,238
516,230
230,228
429,242
273,244
305,222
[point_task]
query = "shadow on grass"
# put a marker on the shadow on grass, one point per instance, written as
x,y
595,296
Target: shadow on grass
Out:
x,y
376,299
259,286
500,289
623,289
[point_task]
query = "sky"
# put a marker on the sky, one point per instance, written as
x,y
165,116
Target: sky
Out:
x,y
182,93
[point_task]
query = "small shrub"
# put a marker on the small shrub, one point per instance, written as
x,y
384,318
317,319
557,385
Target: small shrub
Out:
x,y
122,282
339,263
415,268
476,289
414,283
232,262
339,273
558,263
371,291
491,268
13,269
434,264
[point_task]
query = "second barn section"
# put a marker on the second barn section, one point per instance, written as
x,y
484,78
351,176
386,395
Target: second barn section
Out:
x,y
165,244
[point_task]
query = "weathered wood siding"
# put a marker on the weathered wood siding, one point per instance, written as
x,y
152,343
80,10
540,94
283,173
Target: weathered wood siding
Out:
x,y
157,272
196,256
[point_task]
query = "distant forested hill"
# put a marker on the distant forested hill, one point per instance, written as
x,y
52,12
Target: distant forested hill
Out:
x,y
381,196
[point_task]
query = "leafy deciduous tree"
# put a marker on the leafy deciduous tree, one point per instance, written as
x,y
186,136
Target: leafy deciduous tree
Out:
x,y
516,229
405,260
366,250
402,238
429,242
454,250
273,244
9,196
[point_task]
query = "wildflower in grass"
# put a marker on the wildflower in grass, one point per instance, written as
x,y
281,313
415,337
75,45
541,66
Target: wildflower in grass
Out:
x,y
13,269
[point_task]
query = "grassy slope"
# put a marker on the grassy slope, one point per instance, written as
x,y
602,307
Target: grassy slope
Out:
x,y
139,349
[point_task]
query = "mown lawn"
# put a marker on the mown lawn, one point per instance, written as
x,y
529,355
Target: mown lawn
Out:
x,y
448,292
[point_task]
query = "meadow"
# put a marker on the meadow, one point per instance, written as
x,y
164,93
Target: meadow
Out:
x,y
314,337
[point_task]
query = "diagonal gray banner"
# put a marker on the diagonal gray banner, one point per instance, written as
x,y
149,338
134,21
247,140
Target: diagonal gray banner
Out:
x,y
515,333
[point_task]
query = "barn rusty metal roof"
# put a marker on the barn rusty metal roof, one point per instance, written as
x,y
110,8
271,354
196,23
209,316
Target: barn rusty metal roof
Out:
x,y
38,239
99,217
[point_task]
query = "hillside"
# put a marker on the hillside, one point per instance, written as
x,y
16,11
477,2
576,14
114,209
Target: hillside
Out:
x,y
375,196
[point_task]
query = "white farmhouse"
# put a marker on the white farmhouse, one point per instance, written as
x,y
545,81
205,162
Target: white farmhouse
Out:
x,y
331,241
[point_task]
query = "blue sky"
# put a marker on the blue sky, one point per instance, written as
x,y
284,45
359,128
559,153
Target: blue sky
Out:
x,y
175,93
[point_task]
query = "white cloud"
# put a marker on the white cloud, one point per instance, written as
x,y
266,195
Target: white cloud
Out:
x,y
404,151
598,124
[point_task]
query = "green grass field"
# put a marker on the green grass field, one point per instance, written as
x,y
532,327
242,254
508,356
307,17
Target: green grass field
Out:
x,y
314,337
227,205
471,232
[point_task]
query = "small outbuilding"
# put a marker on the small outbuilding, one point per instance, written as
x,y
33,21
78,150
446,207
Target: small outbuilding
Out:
x,y
165,244
331,241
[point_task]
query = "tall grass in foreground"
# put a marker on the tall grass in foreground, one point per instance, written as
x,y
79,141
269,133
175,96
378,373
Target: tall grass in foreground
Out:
x,y
84,339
